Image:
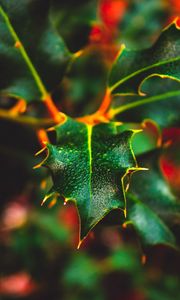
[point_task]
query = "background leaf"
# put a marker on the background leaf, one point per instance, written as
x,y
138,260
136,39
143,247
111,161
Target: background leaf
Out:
x,y
74,25
152,202
84,85
142,23
155,193
33,57
149,226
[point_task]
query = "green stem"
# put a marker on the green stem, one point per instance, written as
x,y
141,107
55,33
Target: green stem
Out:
x,y
165,96
24,54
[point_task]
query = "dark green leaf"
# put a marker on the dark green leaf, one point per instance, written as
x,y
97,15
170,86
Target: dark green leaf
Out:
x,y
152,202
149,226
33,57
88,165
131,68
155,193
74,25
162,103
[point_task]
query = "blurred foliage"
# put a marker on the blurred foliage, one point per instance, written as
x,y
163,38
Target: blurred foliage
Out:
x,y
74,22
84,85
142,23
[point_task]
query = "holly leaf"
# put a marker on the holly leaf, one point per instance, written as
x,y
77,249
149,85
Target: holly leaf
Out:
x,y
156,192
88,166
131,68
151,106
149,226
33,57
153,208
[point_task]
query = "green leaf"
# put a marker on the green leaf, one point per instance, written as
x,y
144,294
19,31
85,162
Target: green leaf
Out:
x,y
33,57
88,165
151,106
155,193
131,68
149,226
152,205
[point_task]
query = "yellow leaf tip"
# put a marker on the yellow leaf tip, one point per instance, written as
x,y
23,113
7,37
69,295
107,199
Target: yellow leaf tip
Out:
x,y
177,22
46,198
37,166
65,201
142,169
51,129
78,53
123,46
137,130
40,151
79,244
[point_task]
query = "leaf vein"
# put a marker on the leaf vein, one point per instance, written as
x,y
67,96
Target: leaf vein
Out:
x,y
113,87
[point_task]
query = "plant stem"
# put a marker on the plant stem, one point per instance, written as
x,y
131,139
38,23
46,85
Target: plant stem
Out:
x,y
100,115
57,116
105,103
42,137
113,112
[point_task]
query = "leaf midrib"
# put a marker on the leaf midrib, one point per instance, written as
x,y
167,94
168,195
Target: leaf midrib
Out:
x,y
89,143
35,75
